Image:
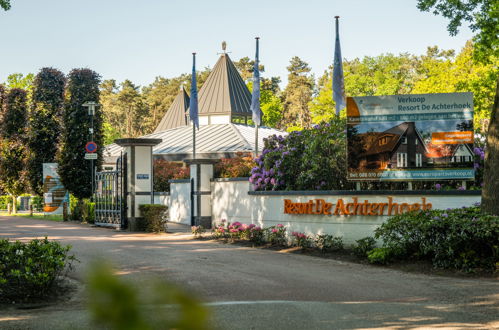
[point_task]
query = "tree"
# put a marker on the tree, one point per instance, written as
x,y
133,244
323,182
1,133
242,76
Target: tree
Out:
x,y
298,94
245,66
5,4
483,19
18,80
12,148
74,170
44,123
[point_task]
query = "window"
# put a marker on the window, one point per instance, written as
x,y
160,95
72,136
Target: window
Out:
x,y
416,141
419,160
404,139
383,140
401,159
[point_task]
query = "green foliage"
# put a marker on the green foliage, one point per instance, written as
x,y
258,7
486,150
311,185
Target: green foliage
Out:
x,y
301,240
37,202
465,239
5,4
12,167
311,159
154,217
74,169
88,211
44,126
4,201
165,170
117,304
326,242
381,255
30,270
14,114
297,94
363,246
18,80
198,231
482,16
237,167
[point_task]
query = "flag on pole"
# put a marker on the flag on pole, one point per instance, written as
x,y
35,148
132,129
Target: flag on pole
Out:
x,y
255,97
193,102
338,79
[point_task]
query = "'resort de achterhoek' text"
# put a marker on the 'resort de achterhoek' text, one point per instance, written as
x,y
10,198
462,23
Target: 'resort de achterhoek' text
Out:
x,y
441,106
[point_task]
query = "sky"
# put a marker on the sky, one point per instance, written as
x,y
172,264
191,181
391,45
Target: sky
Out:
x,y
140,40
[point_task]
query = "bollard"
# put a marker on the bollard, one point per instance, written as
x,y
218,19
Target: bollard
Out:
x,y
9,210
65,211
31,210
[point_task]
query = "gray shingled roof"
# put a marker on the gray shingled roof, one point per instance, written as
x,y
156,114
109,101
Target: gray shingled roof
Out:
x,y
175,116
212,141
224,91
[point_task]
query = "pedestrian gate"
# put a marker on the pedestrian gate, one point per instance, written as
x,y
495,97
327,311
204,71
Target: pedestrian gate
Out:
x,y
110,196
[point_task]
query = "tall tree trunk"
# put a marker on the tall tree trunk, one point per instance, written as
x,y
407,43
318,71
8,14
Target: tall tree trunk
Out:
x,y
14,204
490,190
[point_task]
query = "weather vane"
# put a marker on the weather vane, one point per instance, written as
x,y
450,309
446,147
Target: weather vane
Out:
x,y
224,48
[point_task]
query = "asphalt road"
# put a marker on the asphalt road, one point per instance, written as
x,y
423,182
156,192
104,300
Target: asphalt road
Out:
x,y
249,288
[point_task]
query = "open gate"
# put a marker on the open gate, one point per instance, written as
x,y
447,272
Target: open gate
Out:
x,y
110,196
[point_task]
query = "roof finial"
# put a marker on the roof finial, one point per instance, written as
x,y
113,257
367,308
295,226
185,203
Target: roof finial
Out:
x,y
224,46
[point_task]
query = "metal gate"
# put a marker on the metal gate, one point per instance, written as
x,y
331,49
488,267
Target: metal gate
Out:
x,y
110,196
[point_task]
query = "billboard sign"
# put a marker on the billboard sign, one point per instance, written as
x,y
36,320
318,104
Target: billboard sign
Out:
x,y
410,137
54,192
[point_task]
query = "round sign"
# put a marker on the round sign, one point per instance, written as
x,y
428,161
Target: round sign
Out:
x,y
91,147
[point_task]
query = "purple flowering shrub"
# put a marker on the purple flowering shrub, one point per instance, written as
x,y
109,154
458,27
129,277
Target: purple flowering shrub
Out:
x,y
464,238
276,235
311,159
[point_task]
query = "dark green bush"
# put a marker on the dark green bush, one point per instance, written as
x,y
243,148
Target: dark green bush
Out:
x,y
327,242
364,246
463,239
381,255
30,270
154,218
4,200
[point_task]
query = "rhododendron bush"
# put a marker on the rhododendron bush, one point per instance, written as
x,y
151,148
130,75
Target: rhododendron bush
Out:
x,y
311,159
165,170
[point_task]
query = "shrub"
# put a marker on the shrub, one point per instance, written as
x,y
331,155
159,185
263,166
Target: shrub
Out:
x,y
311,159
37,202
30,270
198,231
327,242
276,235
234,230
165,170
220,231
239,166
364,246
88,211
302,240
4,200
256,235
381,255
465,238
154,218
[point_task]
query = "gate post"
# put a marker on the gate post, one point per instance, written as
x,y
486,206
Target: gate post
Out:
x,y
201,174
139,176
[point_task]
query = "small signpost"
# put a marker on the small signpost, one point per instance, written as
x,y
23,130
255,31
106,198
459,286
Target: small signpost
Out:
x,y
90,156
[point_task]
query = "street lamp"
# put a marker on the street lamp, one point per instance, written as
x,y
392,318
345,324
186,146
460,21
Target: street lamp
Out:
x,y
91,105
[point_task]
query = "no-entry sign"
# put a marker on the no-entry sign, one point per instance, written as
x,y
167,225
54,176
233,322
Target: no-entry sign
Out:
x,y
91,147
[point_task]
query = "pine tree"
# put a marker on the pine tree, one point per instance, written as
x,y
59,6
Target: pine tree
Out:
x,y
74,170
298,94
44,123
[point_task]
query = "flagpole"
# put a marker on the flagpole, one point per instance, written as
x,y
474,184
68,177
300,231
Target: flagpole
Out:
x,y
338,78
255,99
193,106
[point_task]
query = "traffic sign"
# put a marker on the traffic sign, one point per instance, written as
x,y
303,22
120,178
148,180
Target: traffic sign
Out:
x,y
91,147
90,156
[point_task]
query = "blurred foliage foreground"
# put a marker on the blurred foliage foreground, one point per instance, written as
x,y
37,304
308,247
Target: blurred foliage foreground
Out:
x,y
115,303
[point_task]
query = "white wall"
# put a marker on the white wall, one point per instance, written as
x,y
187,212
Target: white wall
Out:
x,y
162,199
180,203
231,202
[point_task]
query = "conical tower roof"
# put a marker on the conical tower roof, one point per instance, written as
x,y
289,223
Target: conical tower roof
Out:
x,y
175,116
224,91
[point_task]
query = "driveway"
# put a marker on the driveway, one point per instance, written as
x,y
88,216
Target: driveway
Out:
x,y
261,289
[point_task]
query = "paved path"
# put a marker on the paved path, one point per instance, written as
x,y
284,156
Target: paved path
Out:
x,y
261,289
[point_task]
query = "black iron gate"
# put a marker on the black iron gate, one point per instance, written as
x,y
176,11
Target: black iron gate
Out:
x,y
110,196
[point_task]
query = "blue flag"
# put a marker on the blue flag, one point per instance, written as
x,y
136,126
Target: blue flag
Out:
x,y
193,102
338,79
255,97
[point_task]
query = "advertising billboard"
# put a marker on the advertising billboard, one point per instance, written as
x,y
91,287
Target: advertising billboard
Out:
x,y
410,137
54,193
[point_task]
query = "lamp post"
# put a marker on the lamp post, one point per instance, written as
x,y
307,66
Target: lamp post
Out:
x,y
91,105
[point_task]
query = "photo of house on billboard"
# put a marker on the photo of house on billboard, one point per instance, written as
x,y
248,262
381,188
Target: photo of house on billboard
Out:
x,y
410,137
